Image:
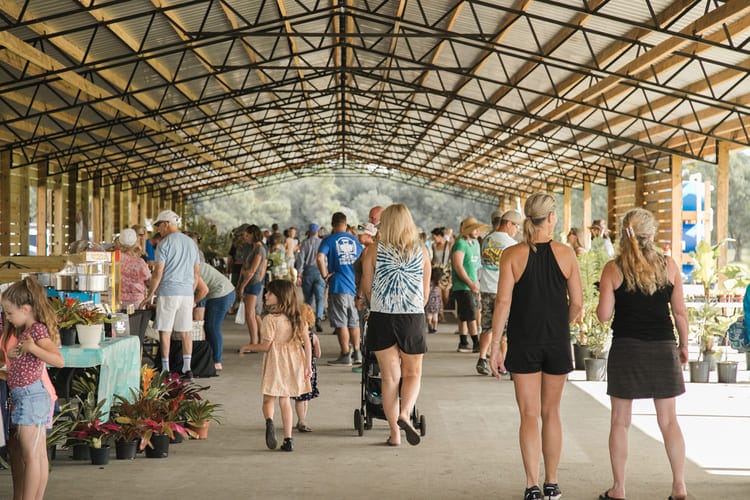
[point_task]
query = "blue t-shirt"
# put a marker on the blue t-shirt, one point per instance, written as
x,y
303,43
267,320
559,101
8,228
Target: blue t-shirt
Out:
x,y
179,254
149,251
341,250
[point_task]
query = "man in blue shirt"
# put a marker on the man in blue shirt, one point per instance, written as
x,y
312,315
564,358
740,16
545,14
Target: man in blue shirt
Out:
x,y
336,256
174,278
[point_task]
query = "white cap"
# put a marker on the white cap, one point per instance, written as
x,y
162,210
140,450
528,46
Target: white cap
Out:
x,y
128,237
168,216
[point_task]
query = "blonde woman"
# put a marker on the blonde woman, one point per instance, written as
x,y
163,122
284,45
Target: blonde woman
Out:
x,y
639,287
396,282
575,240
539,294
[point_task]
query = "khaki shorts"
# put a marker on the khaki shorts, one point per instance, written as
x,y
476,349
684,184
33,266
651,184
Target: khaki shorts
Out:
x,y
174,314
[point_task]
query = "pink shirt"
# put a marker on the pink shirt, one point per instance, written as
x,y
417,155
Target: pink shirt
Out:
x,y
26,369
133,276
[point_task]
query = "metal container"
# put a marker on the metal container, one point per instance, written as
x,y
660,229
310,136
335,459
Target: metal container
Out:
x,y
93,282
66,282
44,279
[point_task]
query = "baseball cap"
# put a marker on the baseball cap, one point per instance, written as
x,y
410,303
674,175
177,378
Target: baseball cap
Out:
x,y
168,216
512,216
313,228
128,237
367,228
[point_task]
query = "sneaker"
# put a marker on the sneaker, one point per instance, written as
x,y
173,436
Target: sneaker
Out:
x,y
552,491
188,375
483,367
475,348
357,357
533,493
288,445
318,327
463,348
343,360
270,434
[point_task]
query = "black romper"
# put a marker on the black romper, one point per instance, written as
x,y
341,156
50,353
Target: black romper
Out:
x,y
538,324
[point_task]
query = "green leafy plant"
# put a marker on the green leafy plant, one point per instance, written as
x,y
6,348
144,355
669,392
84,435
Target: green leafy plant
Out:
x,y
196,411
71,312
96,434
591,332
62,426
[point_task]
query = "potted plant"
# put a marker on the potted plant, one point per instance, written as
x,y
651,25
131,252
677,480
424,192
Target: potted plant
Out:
x,y
62,426
590,265
88,320
88,410
199,413
97,435
128,415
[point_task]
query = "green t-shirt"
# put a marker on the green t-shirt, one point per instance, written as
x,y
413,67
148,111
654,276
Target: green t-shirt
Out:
x,y
471,262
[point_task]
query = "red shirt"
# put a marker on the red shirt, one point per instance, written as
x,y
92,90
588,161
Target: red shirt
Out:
x,y
133,276
26,369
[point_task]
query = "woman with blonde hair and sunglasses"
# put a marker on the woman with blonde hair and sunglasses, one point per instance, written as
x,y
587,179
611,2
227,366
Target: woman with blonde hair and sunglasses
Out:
x,y
638,287
539,294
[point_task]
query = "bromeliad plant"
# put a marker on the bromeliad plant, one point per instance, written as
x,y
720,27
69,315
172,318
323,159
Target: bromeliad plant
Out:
x,y
96,434
71,312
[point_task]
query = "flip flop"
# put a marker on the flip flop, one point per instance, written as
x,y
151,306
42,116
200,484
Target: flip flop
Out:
x,y
412,437
605,496
303,428
388,442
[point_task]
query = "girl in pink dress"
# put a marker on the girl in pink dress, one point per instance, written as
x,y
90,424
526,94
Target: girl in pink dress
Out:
x,y
287,362
32,323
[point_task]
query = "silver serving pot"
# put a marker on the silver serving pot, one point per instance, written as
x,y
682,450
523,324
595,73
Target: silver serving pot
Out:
x,y
93,282
44,279
66,282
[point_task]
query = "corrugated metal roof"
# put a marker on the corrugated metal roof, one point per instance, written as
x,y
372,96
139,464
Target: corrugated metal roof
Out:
x,y
497,97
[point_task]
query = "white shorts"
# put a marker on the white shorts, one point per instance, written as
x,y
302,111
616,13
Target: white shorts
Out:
x,y
174,313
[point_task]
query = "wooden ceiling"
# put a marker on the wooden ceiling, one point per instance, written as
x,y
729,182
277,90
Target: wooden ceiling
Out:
x,y
491,97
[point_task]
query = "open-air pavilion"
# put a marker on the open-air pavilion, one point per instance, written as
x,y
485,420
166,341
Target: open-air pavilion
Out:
x,y
113,109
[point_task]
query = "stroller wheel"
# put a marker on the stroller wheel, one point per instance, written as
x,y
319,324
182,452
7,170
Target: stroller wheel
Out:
x,y
359,422
422,426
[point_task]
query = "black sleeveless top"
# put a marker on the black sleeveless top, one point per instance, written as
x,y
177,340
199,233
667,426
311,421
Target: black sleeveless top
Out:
x,y
641,316
539,308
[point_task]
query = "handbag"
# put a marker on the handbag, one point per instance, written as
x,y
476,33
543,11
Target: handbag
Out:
x,y
239,318
738,335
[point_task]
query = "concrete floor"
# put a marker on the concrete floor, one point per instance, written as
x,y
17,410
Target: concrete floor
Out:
x,y
470,450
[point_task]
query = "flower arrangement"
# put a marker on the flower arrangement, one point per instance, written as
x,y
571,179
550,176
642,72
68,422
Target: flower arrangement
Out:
x,y
71,312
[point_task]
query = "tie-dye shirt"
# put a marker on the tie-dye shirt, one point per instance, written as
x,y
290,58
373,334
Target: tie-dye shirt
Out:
x,y
398,286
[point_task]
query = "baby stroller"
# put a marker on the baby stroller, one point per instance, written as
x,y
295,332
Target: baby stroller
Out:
x,y
371,406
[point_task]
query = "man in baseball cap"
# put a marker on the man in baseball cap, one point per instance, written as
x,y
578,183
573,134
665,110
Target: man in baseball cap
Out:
x,y
505,226
173,280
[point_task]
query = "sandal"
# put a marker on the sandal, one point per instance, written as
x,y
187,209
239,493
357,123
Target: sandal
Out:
x,y
412,437
605,496
304,428
389,443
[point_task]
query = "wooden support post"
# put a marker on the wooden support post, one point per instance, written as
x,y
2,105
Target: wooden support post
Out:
x,y
116,219
41,208
71,212
23,211
58,216
675,167
640,188
587,208
722,200
612,205
5,204
567,208
109,213
84,210
97,228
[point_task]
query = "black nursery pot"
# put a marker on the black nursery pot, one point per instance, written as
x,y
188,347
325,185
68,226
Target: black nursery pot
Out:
x,y
68,336
160,443
126,450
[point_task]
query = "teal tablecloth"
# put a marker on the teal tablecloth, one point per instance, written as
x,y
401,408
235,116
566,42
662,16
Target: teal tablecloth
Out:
x,y
120,360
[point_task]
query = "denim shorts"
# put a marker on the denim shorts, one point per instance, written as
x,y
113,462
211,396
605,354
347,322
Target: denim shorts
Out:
x,y
30,405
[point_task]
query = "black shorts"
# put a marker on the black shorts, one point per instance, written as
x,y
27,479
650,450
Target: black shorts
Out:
x,y
405,330
467,304
554,359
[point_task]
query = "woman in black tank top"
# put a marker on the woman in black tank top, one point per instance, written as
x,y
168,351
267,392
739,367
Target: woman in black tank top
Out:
x,y
539,294
639,287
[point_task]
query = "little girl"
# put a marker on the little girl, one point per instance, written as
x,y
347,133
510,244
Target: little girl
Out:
x,y
287,362
434,300
32,323
301,401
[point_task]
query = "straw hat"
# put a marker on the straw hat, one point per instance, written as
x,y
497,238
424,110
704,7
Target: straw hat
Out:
x,y
469,224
